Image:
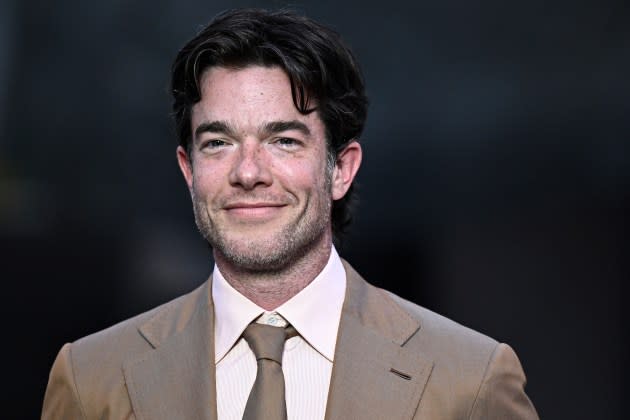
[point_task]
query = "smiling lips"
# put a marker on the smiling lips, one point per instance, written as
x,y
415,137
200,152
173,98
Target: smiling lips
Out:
x,y
253,210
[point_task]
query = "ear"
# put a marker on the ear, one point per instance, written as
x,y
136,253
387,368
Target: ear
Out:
x,y
185,165
346,168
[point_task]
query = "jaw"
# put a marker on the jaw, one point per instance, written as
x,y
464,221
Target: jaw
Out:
x,y
273,245
275,256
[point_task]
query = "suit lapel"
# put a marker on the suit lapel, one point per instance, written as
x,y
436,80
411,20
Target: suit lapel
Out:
x,y
374,375
176,379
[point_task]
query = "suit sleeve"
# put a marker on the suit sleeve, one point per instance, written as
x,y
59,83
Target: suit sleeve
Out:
x,y
62,398
501,394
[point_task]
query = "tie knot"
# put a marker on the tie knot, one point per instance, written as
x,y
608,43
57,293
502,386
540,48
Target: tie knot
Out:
x,y
266,341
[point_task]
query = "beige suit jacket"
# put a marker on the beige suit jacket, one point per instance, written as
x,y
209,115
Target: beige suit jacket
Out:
x,y
393,360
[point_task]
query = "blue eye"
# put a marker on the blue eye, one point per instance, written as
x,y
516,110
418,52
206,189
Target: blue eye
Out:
x,y
286,141
213,144
216,143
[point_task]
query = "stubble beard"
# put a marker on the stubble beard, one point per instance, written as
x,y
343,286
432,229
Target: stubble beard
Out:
x,y
275,252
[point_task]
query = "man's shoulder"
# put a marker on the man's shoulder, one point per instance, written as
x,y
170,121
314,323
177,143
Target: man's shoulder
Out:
x,y
440,329
131,337
485,375
430,331
88,375
448,344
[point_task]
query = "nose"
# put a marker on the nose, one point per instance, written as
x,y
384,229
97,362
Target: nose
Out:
x,y
250,169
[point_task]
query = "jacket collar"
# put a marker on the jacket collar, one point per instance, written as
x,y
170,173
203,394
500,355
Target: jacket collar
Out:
x,y
176,378
374,374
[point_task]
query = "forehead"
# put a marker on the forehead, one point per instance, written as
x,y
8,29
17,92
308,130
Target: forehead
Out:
x,y
253,92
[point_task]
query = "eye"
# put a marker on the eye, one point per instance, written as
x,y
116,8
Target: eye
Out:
x,y
214,144
287,142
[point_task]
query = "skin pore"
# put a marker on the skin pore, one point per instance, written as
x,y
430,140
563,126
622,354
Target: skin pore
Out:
x,y
261,187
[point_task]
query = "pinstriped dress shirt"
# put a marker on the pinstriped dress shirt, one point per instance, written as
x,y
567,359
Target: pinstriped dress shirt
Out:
x,y
308,358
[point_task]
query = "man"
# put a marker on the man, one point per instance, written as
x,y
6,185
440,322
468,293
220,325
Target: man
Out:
x,y
269,108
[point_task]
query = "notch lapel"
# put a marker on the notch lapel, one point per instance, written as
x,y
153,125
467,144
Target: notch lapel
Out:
x,y
176,379
374,376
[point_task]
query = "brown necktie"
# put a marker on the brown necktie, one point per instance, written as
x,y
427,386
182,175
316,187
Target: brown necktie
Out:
x,y
266,400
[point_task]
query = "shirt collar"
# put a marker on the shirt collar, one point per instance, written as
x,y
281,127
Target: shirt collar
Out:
x,y
314,312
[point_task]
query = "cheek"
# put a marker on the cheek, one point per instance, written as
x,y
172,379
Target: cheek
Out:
x,y
206,183
302,176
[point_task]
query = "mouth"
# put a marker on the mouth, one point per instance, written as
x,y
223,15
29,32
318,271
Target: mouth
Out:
x,y
259,210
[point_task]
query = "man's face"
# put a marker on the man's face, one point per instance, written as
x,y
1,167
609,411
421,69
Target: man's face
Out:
x,y
257,171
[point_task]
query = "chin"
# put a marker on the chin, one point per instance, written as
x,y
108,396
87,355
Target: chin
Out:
x,y
269,253
256,258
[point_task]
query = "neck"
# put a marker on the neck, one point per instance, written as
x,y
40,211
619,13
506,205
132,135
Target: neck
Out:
x,y
270,289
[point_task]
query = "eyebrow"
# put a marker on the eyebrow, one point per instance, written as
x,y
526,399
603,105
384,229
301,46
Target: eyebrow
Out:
x,y
214,127
269,128
280,126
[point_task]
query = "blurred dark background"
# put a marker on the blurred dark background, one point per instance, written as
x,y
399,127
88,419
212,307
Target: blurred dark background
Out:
x,y
494,190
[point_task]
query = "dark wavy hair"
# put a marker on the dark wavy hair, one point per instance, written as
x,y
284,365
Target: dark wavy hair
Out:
x,y
324,75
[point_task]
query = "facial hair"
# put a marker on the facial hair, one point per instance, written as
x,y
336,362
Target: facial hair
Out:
x,y
275,252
